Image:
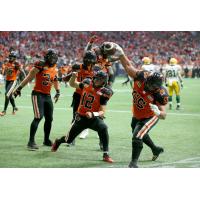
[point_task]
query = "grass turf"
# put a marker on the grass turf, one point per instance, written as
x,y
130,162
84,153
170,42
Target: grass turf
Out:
x,y
178,134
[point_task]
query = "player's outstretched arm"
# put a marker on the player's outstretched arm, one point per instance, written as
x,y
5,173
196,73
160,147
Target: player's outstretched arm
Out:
x,y
128,66
29,77
89,44
57,88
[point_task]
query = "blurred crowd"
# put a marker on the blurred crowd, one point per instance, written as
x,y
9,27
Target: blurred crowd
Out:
x,y
159,46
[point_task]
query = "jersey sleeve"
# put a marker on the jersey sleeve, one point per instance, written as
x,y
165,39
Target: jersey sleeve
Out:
x,y
39,65
105,95
103,100
161,97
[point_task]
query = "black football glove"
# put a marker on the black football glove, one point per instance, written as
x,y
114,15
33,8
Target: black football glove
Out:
x,y
17,92
59,79
57,95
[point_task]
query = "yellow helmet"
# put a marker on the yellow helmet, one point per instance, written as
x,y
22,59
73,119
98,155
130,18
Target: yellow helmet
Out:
x,y
173,61
146,60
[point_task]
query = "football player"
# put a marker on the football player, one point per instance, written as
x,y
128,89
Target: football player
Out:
x,y
45,74
84,70
149,102
11,70
173,81
91,111
147,65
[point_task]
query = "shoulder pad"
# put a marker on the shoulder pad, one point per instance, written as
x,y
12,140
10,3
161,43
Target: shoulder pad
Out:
x,y
161,96
39,64
76,67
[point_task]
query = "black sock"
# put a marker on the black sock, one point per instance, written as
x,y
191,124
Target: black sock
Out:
x,y
12,101
6,103
137,146
33,129
47,129
147,140
104,138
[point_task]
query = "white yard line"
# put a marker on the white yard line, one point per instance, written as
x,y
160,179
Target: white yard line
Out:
x,y
118,111
193,162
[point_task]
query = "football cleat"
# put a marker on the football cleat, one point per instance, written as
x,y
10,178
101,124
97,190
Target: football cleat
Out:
x,y
178,107
108,159
47,143
32,146
132,165
157,152
14,110
2,113
55,146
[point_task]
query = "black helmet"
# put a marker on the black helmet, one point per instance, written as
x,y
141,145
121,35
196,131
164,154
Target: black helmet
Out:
x,y
89,58
153,81
100,79
51,57
12,55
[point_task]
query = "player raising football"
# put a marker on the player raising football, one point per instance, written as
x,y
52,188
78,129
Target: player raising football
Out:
x,y
149,102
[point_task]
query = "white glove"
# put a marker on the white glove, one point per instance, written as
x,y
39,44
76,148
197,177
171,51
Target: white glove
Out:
x,y
155,109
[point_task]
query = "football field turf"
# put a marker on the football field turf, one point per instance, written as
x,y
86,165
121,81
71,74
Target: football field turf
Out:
x,y
179,134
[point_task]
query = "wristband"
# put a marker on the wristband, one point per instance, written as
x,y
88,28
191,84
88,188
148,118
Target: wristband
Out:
x,y
95,114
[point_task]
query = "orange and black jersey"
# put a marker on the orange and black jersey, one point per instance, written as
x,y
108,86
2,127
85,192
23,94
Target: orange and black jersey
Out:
x,y
11,70
92,98
83,72
142,98
45,77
